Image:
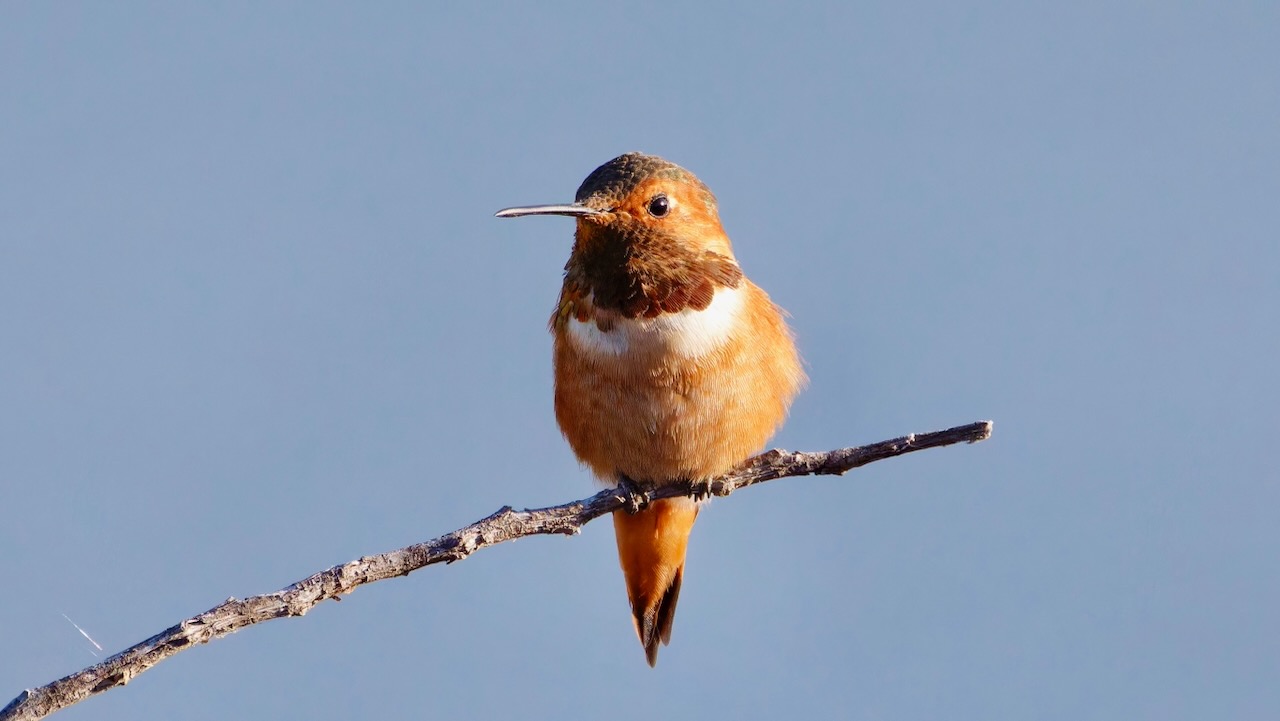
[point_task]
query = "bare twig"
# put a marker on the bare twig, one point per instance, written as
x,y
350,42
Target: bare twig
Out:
x,y
504,525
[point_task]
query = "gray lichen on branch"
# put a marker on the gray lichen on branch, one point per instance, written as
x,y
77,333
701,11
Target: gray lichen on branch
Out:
x,y
504,525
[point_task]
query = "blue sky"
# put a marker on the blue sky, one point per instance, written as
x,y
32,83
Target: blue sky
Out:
x,y
257,319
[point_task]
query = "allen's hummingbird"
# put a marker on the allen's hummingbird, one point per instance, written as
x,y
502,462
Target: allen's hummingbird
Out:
x,y
669,364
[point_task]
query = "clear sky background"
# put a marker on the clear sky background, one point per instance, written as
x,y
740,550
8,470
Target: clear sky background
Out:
x,y
257,319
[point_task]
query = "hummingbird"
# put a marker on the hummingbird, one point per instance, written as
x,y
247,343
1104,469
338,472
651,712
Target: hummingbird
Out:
x,y
670,365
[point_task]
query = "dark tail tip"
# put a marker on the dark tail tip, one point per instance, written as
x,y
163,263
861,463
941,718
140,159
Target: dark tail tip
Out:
x,y
654,622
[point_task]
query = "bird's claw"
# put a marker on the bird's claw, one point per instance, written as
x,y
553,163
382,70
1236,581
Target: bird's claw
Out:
x,y
636,497
702,490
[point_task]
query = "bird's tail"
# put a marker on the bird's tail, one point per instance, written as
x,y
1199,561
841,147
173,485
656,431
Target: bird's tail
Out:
x,y
651,549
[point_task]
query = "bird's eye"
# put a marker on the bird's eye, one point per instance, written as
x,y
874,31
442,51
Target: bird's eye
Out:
x,y
659,206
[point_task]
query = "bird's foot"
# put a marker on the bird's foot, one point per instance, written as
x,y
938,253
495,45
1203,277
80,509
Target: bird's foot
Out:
x,y
702,489
634,494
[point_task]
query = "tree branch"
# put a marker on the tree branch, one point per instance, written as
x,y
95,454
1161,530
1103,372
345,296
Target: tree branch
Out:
x,y
504,525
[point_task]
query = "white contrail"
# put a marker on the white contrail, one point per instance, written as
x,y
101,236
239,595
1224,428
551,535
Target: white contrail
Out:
x,y
82,633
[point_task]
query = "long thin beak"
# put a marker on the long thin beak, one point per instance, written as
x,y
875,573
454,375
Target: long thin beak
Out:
x,y
580,211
